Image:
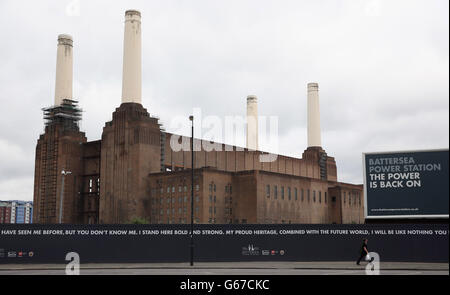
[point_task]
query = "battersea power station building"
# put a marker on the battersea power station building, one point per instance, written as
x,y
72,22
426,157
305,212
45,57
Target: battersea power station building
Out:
x,y
133,173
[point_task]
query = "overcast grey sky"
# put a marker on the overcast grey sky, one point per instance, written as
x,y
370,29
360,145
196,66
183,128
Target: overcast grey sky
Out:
x,y
382,69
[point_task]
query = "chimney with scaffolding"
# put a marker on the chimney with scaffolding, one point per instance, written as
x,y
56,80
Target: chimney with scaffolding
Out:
x,y
67,115
65,111
59,147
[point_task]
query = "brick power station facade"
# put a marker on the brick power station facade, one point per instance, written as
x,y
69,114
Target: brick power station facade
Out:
x,y
133,172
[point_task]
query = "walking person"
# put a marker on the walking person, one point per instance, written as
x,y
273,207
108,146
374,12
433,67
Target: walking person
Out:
x,y
364,252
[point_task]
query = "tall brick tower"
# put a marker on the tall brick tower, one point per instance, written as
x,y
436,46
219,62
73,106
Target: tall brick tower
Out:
x,y
131,147
59,148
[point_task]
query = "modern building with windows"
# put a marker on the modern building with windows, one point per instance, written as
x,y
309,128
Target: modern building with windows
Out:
x,y
16,212
5,212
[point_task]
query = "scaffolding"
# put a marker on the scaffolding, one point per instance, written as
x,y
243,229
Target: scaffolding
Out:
x,y
67,114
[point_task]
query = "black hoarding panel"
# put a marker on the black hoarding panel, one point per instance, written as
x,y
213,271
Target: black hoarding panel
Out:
x,y
220,243
406,184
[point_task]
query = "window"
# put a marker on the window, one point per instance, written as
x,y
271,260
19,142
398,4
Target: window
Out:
x,y
275,191
344,197
314,196
210,198
309,196
289,193
214,187
185,199
282,192
320,196
185,188
196,199
268,191
197,187
210,210
295,192
214,198
173,189
168,189
231,189
326,198
179,188
303,195
168,200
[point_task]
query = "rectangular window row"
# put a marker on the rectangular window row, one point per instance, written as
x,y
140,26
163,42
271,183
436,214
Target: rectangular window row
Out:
x,y
315,198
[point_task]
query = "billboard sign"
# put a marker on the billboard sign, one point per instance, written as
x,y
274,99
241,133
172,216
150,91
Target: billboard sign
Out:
x,y
406,184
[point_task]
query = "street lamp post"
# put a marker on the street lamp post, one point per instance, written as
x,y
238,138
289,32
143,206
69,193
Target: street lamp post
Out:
x,y
61,199
191,118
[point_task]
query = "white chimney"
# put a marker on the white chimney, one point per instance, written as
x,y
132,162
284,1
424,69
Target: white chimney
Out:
x,y
64,69
132,67
314,138
252,122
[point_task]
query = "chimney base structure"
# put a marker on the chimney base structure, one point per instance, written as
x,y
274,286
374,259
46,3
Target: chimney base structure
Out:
x,y
130,151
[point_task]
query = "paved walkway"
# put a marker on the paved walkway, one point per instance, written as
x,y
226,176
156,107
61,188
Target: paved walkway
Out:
x,y
231,268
